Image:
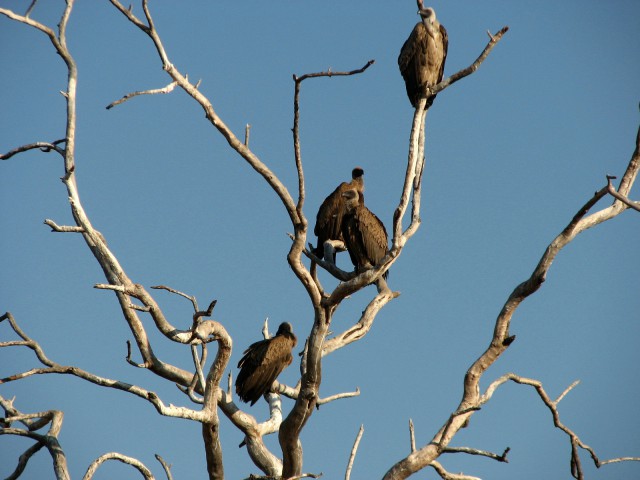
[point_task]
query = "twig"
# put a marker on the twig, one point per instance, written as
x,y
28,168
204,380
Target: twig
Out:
x,y
612,191
164,90
566,390
28,12
191,298
63,228
43,146
412,436
354,450
166,467
493,40
247,132
448,475
329,73
338,396
483,453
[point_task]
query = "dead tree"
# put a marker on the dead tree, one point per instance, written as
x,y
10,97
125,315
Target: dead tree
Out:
x,y
202,384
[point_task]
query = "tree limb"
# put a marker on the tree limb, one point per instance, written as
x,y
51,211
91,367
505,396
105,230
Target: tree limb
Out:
x,y
352,455
501,340
135,463
168,89
42,146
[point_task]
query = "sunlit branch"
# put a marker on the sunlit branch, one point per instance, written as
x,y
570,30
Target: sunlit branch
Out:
x,y
166,467
575,442
135,463
445,475
612,191
42,146
493,40
352,455
483,453
168,89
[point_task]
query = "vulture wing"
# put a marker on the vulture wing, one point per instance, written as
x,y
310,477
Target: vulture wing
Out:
x,y
365,237
445,48
373,235
329,219
261,364
413,62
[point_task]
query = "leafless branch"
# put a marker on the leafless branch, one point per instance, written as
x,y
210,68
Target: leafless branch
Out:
x,y
564,393
191,298
412,436
338,396
164,90
501,340
42,146
135,463
612,191
247,132
34,422
448,475
483,453
55,368
33,4
166,467
493,40
575,442
329,73
354,450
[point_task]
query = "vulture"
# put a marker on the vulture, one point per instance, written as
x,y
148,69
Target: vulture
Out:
x,y
363,232
422,56
329,218
262,362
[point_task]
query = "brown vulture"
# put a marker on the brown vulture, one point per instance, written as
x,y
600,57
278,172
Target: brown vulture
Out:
x,y
262,362
422,56
363,232
329,218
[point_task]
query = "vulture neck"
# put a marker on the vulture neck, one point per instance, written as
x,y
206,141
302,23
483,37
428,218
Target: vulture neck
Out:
x,y
431,24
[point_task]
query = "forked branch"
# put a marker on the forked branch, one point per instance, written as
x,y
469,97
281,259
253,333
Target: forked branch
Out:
x,y
501,340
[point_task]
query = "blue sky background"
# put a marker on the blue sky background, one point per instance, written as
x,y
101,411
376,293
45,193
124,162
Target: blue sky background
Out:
x,y
513,152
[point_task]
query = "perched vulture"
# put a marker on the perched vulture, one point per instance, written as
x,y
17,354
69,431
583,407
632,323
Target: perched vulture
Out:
x,y
262,362
422,56
329,218
364,234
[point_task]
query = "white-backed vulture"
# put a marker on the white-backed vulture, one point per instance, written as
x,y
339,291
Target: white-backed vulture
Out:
x,y
423,55
262,362
329,217
363,232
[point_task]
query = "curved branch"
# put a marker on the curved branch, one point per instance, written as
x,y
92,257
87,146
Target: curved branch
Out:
x,y
352,455
42,146
168,89
574,440
135,463
501,340
36,421
493,40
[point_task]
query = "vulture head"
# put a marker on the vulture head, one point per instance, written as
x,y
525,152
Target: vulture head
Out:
x,y
285,328
351,199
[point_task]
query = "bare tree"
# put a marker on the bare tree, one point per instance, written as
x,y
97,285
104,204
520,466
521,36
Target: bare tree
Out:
x,y
203,384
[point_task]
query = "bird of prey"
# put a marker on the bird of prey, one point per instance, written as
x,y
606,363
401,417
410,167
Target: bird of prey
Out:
x,y
329,218
363,232
262,362
423,55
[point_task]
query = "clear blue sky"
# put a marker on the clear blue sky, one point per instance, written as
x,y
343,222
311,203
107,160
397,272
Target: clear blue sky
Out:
x,y
513,152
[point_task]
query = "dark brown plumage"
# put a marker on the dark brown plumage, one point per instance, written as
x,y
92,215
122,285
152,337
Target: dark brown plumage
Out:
x,y
423,55
363,232
262,362
329,217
